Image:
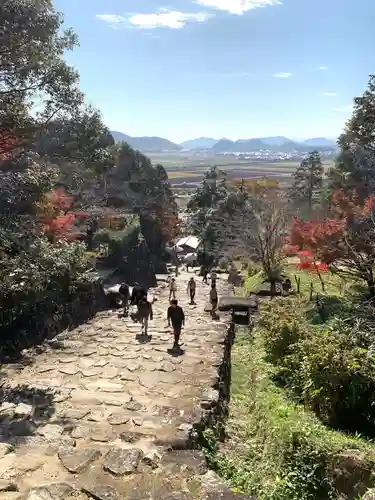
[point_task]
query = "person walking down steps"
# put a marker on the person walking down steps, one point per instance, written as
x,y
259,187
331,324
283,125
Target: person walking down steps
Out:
x,y
213,300
125,295
172,289
191,288
139,291
205,276
176,316
144,313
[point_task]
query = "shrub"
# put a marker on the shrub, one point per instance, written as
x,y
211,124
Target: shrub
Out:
x,y
223,264
282,328
118,242
37,289
278,450
330,370
252,268
336,379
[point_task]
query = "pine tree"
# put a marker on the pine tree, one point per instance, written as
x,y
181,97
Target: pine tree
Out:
x,y
308,178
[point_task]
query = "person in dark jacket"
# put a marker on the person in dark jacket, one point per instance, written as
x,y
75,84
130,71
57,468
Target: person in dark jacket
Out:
x,y
191,288
176,316
138,293
205,276
144,313
125,295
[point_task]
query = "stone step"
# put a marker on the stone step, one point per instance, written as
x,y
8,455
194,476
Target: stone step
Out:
x,y
96,412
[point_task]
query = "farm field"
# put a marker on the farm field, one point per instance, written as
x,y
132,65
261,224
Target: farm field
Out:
x,y
190,170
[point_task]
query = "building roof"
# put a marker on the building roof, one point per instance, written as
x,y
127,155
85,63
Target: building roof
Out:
x,y
189,241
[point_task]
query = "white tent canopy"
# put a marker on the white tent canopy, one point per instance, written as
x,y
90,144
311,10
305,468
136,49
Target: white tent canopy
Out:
x,y
188,241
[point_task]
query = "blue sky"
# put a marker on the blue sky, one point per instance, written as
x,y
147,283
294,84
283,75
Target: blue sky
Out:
x,y
182,69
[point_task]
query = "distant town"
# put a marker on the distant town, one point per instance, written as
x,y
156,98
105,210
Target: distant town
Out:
x,y
271,156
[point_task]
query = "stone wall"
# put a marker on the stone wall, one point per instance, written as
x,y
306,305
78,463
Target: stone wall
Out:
x,y
48,318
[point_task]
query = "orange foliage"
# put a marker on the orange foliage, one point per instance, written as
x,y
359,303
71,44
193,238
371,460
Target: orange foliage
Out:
x,y
8,143
55,220
328,239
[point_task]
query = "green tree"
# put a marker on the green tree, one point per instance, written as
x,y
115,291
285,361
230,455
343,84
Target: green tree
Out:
x,y
307,179
33,73
135,184
355,165
212,208
360,129
20,191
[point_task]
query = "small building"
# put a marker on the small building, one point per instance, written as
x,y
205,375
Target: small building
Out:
x,y
186,245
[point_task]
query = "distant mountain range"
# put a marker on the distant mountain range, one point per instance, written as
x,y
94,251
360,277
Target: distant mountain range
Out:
x,y
276,144
147,144
201,143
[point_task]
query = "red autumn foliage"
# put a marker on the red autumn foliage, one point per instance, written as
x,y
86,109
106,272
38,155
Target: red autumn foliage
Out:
x,y
58,222
328,238
59,227
60,200
8,143
345,241
308,263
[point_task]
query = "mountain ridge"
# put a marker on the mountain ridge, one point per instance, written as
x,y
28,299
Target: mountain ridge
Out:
x,y
146,144
276,144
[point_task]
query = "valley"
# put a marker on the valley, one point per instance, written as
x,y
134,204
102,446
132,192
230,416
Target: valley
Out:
x,y
188,170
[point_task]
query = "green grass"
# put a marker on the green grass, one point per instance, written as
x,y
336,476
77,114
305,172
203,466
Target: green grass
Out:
x,y
276,449
333,284
252,283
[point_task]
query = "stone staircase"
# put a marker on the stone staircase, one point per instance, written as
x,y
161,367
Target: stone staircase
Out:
x,y
102,412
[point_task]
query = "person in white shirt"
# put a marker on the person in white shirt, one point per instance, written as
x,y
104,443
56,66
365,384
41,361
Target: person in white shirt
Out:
x,y
213,277
172,289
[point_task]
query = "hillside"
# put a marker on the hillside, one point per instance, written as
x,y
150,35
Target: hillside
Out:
x,y
200,143
147,144
241,146
275,141
320,141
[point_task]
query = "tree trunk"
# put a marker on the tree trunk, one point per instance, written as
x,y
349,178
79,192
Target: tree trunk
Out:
x,y
371,286
273,288
321,281
298,283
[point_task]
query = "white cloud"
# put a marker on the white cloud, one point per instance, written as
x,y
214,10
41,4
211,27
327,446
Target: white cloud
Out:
x,y
112,19
347,108
167,19
330,94
162,19
323,68
282,75
237,6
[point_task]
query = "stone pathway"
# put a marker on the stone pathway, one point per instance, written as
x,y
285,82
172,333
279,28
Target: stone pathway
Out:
x,y
104,413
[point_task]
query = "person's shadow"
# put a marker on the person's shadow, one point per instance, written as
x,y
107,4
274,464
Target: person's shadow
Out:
x,y
175,352
143,338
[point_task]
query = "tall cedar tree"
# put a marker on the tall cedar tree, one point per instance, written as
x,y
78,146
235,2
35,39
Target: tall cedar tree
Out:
x,y
308,178
355,166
